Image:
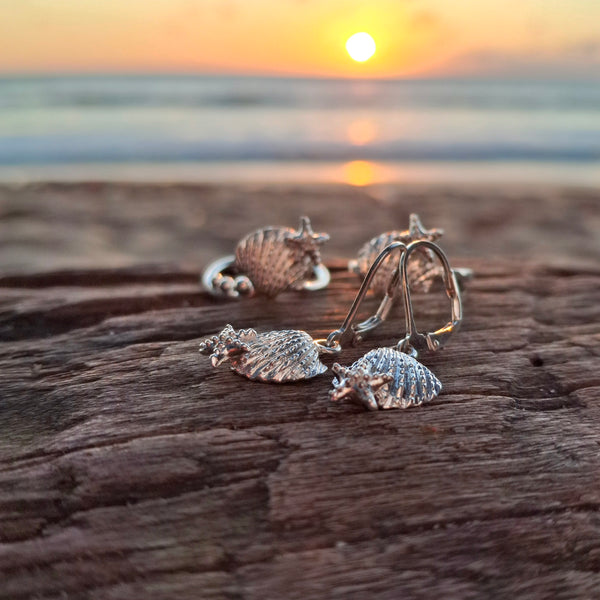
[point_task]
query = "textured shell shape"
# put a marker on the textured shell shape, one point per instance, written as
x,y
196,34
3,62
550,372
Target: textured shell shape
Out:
x,y
277,258
422,268
276,356
279,356
409,382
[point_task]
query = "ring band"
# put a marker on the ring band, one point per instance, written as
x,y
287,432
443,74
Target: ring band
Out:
x,y
321,278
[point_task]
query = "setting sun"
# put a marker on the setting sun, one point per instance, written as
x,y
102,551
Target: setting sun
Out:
x,y
360,46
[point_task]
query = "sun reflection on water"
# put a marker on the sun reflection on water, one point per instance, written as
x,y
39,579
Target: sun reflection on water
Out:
x,y
359,172
361,132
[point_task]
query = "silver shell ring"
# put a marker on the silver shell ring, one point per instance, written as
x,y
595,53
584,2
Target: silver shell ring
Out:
x,y
270,261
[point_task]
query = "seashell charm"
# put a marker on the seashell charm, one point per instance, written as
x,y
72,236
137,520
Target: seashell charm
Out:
x,y
385,378
422,270
278,258
275,356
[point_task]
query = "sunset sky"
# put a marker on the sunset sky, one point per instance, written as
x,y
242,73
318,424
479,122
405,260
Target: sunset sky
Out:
x,y
415,38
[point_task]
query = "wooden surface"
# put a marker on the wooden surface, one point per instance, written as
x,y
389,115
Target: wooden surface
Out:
x,y
129,468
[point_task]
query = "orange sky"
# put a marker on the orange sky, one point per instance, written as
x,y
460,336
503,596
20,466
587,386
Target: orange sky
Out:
x,y
303,37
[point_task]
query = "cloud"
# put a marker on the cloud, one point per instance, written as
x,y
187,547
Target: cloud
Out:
x,y
424,19
587,49
581,60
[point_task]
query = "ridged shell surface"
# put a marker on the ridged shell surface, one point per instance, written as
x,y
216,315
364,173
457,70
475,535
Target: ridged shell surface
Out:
x,y
421,269
269,261
279,356
412,383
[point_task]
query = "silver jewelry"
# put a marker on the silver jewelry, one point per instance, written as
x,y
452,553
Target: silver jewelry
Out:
x,y
422,271
275,356
393,377
270,261
293,355
385,378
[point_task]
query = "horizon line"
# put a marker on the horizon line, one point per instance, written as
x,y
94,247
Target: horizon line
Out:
x,y
516,78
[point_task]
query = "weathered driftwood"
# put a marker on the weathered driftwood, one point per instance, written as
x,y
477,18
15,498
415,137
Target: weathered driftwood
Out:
x,y
129,468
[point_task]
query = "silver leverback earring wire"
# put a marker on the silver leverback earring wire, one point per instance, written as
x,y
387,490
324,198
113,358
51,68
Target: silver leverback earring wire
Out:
x,y
270,261
414,341
393,377
422,271
331,344
291,354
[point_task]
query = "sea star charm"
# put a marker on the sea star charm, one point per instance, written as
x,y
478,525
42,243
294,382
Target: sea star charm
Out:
x,y
227,345
359,384
417,232
306,242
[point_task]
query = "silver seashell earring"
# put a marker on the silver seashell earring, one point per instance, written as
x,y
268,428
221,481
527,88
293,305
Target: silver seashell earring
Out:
x,y
275,356
393,377
270,261
293,355
423,269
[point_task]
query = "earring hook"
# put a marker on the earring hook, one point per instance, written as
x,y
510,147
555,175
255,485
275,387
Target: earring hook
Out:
x,y
414,341
332,344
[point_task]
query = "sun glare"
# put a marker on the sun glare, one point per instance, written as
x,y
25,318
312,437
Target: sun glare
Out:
x,y
360,46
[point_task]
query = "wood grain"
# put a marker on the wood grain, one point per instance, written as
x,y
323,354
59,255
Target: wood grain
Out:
x,y
129,468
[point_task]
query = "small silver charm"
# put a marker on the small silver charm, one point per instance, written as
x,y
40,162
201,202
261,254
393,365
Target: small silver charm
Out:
x,y
385,378
422,270
270,261
392,377
275,356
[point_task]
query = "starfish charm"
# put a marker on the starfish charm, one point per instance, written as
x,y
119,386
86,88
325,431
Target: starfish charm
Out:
x,y
359,384
227,344
416,231
306,242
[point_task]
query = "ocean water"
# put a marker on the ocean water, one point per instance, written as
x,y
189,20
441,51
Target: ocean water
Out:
x,y
235,125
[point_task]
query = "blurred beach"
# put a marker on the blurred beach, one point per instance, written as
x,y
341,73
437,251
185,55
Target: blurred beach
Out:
x,y
246,129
